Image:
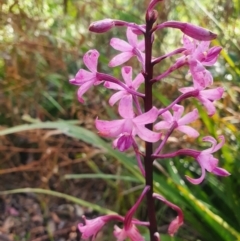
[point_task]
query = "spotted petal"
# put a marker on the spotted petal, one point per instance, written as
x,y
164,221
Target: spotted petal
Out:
x,y
90,59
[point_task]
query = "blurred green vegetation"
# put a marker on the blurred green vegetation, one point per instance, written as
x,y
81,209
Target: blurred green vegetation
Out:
x,y
41,47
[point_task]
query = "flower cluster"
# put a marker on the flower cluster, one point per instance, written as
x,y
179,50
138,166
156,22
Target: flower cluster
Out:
x,y
151,124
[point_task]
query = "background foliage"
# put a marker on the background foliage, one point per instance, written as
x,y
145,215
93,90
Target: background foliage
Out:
x,y
41,46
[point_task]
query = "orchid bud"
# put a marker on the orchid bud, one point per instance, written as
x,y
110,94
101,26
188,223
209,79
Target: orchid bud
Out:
x,y
190,30
152,16
197,32
102,26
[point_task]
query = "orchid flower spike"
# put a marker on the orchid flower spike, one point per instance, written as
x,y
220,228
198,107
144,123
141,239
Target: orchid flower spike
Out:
x,y
208,162
129,229
180,122
129,49
84,78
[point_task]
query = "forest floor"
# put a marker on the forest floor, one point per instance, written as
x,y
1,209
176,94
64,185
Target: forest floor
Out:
x,y
40,159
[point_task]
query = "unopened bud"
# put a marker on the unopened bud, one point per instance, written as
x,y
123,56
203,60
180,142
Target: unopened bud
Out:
x,y
152,16
190,30
101,26
197,32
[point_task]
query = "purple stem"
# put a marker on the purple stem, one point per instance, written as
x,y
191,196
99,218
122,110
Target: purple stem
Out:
x,y
170,131
179,99
106,77
159,59
138,156
175,66
129,216
185,152
148,104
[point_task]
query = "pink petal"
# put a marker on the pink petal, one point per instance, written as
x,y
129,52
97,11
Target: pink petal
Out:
x,y
90,59
146,118
125,108
202,77
110,128
174,226
127,127
201,48
207,161
116,97
120,45
189,117
127,75
188,131
197,181
219,145
220,172
134,234
212,141
167,116
162,125
212,94
208,105
141,45
120,59
84,87
91,227
146,134
212,56
138,81
82,77
119,233
132,37
112,86
186,89
124,142
177,111
187,43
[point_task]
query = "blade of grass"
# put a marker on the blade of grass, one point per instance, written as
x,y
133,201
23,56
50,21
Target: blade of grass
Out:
x,y
60,195
101,176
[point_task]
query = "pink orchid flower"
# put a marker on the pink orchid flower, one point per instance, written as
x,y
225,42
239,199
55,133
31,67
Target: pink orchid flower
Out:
x,y
91,227
129,49
126,129
129,230
199,55
122,94
169,120
206,97
208,162
84,78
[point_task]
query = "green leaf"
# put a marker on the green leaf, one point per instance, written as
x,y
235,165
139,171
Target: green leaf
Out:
x,y
60,195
